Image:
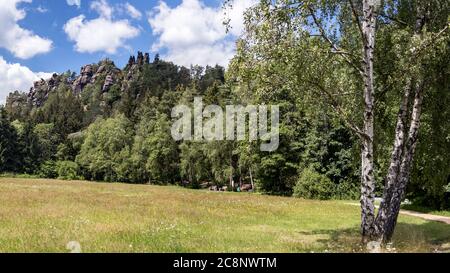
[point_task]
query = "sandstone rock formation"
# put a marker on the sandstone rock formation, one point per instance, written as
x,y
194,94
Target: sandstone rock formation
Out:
x,y
104,74
41,90
84,78
109,81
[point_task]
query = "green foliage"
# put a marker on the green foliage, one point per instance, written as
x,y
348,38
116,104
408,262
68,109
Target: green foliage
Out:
x,y
8,144
47,138
103,148
312,185
62,109
275,175
48,169
113,95
68,170
92,97
348,190
161,76
193,164
163,155
221,159
430,180
29,149
154,152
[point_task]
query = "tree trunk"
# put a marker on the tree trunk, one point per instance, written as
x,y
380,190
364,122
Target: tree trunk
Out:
x,y
367,153
251,180
240,176
396,159
406,166
403,153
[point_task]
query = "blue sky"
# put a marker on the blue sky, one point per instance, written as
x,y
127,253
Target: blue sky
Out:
x,y
43,36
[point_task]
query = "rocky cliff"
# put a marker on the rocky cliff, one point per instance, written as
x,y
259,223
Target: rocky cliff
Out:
x,y
104,73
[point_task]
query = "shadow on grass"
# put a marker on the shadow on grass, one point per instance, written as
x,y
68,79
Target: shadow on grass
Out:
x,y
423,238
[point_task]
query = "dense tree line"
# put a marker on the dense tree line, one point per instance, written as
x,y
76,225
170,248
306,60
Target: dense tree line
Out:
x,y
126,137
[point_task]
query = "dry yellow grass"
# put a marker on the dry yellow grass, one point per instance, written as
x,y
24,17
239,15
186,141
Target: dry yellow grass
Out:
x,y
44,215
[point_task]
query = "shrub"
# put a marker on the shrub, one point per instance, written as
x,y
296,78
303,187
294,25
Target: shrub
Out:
x,y
68,170
15,175
48,169
348,190
313,185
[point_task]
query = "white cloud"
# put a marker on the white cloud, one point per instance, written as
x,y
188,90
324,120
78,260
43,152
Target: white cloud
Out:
x,y
236,15
23,43
193,33
102,34
103,8
74,3
41,9
17,77
218,53
132,11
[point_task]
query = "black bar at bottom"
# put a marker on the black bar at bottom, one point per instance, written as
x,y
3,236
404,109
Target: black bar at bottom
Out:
x,y
218,262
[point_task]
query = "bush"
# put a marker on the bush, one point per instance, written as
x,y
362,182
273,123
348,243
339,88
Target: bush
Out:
x,y
68,170
313,185
348,190
20,175
48,169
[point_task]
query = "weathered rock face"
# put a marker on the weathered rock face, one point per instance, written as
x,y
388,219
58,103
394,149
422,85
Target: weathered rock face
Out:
x,y
109,81
90,74
84,78
105,74
101,69
54,82
113,74
140,58
16,98
135,64
131,61
17,104
41,90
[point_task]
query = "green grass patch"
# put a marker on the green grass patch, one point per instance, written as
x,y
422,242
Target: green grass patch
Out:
x,y
44,215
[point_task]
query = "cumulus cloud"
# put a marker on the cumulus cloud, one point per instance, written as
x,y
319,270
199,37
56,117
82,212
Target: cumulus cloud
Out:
x,y
193,33
132,11
17,77
74,3
103,8
23,43
103,34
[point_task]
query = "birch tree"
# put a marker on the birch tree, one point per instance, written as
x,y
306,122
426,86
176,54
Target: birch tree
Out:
x,y
328,52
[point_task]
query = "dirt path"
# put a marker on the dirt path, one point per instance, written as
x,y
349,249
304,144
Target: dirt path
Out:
x,y
429,217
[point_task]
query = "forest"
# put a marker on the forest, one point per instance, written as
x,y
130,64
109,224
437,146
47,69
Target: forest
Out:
x,y
113,125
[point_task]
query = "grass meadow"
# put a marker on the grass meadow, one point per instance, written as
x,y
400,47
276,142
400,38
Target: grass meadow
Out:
x,y
44,215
